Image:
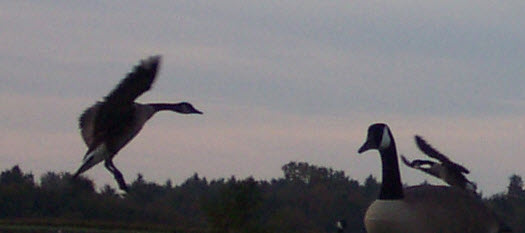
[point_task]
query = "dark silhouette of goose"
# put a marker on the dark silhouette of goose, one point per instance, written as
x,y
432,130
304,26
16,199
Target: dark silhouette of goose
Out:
x,y
448,171
422,208
108,125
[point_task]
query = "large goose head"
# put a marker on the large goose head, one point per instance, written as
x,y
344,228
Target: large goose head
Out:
x,y
379,138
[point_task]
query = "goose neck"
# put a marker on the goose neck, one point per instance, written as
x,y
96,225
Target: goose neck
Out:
x,y
391,187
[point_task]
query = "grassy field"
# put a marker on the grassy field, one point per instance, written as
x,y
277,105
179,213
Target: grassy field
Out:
x,y
62,226
56,229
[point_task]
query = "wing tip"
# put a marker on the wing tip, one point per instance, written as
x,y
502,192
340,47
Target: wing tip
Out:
x,y
420,140
151,62
406,161
425,146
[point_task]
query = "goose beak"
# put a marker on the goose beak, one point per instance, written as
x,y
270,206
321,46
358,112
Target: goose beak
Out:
x,y
365,147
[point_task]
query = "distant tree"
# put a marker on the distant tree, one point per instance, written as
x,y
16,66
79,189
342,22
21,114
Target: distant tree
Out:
x,y
108,191
306,173
307,198
515,188
168,184
64,182
144,192
16,176
61,195
17,193
235,208
371,187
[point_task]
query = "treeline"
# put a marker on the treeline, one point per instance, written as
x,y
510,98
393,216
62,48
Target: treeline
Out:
x,y
307,199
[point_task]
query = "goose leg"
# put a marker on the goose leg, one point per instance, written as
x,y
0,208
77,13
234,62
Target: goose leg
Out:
x,y
116,173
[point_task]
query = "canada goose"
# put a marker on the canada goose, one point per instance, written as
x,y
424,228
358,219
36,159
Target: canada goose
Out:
x,y
108,125
448,171
423,208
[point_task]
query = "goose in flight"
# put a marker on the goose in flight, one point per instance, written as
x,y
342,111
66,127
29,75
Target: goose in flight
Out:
x,y
446,170
108,125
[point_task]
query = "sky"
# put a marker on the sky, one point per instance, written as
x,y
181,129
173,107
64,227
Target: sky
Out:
x,y
278,81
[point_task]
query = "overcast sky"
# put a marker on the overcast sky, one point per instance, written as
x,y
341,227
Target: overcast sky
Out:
x,y
278,81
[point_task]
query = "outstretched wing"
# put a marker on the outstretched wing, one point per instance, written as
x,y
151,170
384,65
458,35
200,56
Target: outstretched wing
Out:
x,y
406,162
86,123
116,111
433,153
422,166
135,83
417,163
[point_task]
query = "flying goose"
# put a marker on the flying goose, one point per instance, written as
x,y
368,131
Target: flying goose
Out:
x,y
423,208
108,125
448,171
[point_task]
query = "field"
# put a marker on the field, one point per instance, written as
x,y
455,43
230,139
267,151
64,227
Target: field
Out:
x,y
55,229
61,226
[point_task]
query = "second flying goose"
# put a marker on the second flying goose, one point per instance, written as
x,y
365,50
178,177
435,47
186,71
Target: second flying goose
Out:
x,y
448,171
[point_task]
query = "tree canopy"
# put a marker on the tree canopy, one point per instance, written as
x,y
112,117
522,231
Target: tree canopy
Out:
x,y
307,198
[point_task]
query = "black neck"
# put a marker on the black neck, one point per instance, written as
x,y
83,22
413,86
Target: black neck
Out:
x,y
165,106
391,187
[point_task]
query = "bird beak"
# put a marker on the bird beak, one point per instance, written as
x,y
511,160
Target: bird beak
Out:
x,y
366,146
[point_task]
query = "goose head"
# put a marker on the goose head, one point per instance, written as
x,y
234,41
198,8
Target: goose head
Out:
x,y
379,138
183,107
187,108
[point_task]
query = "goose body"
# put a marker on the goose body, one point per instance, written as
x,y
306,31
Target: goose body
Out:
x,y
423,208
428,208
109,125
448,174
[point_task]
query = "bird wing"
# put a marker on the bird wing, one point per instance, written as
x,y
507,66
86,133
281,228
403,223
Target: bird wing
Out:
x,y
433,153
417,163
407,162
86,123
136,82
117,110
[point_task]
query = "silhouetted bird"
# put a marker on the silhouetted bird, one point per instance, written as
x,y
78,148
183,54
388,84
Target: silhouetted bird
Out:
x,y
423,208
448,171
108,125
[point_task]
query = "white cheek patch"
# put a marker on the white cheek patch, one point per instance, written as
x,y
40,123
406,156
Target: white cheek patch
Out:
x,y
385,139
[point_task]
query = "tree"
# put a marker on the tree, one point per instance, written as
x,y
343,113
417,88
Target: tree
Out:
x,y
235,207
16,176
308,198
17,193
515,188
371,187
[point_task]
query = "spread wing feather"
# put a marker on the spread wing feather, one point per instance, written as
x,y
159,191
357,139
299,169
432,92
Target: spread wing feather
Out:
x,y
433,153
416,163
136,82
86,123
111,116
